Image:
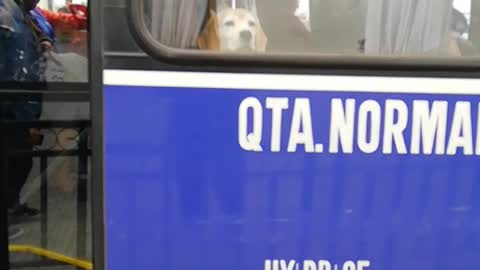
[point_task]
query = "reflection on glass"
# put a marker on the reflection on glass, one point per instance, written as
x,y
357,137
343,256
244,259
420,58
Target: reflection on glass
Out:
x,y
38,44
435,28
44,151
47,174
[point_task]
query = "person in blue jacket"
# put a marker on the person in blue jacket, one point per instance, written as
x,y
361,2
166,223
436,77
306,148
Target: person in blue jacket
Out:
x,y
20,42
23,41
44,26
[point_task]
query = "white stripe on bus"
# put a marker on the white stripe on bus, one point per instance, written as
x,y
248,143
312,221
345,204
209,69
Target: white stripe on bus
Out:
x,y
247,81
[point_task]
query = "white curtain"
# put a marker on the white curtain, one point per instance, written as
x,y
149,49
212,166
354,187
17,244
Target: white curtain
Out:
x,y
407,27
177,23
246,4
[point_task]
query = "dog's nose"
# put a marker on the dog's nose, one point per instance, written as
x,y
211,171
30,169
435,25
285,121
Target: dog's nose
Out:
x,y
246,35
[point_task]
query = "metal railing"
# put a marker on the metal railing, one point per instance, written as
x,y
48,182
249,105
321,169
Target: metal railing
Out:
x,y
82,152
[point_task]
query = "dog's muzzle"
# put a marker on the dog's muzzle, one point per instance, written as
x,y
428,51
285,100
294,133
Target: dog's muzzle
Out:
x,y
246,35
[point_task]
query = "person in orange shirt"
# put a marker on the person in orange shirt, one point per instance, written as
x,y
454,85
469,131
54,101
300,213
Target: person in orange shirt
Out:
x,y
70,27
65,20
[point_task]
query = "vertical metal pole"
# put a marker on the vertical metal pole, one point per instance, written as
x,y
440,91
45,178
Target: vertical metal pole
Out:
x,y
44,202
4,255
82,195
96,42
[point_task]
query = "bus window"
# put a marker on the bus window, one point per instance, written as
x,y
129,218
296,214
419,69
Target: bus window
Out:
x,y
45,135
113,41
43,41
429,28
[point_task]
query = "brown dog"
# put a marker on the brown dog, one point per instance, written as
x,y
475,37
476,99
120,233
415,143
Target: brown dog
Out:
x,y
233,30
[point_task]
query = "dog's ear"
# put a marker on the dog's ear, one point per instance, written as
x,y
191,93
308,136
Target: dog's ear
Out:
x,y
261,39
208,39
213,14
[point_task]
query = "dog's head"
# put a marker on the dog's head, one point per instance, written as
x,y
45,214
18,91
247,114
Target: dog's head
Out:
x,y
233,30
237,30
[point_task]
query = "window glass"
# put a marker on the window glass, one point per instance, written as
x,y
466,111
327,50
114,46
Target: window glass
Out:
x,y
45,214
115,22
461,18
439,28
46,172
43,41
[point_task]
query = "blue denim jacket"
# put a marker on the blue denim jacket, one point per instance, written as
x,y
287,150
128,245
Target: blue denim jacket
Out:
x,y
20,60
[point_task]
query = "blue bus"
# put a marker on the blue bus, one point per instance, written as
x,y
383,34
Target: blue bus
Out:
x,y
243,134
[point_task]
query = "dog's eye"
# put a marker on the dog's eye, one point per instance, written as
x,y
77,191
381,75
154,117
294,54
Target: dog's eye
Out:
x,y
251,23
229,23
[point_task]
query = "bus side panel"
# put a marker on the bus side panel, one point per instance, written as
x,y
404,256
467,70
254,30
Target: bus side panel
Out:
x,y
185,189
